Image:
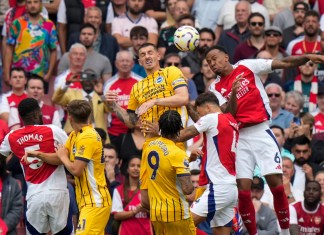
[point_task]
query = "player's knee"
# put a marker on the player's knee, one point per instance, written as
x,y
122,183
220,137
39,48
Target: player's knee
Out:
x,y
244,184
274,180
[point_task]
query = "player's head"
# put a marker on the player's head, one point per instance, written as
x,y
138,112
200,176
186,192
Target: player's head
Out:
x,y
206,103
149,57
217,59
312,193
30,112
170,124
79,111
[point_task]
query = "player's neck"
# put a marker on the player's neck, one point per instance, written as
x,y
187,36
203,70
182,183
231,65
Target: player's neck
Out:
x,y
310,207
78,126
151,71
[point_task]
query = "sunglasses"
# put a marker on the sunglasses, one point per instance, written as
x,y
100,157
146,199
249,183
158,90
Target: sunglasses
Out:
x,y
273,95
269,34
173,64
257,24
311,64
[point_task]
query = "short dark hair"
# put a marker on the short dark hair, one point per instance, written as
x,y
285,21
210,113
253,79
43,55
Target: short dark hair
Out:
x,y
35,77
300,140
171,54
195,172
206,97
17,69
185,17
111,146
138,31
88,25
28,106
312,13
148,44
207,30
257,183
216,47
255,14
170,124
278,127
80,110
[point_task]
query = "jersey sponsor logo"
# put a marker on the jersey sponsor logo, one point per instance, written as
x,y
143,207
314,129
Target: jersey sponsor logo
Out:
x,y
223,90
81,150
159,80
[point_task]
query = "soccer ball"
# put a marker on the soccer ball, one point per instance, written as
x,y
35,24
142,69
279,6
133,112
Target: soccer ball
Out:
x,y
186,38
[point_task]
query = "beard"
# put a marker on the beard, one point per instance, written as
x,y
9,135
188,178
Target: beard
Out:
x,y
311,33
300,161
202,49
33,14
135,12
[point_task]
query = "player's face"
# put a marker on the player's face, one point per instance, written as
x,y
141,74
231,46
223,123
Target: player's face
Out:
x,y
301,153
149,58
135,6
87,37
110,157
18,80
217,61
138,41
34,7
288,168
312,193
93,17
195,180
311,25
35,89
124,63
202,110
292,106
320,179
134,168
77,57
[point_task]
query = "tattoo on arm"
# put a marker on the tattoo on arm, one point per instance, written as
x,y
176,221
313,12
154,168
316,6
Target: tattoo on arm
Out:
x,y
133,118
188,133
192,112
186,184
129,119
290,61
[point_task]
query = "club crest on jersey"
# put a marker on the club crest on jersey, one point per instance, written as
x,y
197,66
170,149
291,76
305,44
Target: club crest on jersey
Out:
x,y
317,220
159,80
223,90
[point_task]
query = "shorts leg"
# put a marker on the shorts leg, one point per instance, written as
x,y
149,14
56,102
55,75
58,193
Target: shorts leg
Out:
x,y
181,227
89,222
245,161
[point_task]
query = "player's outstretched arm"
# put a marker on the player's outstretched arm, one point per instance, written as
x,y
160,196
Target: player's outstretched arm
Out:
x,y
231,106
192,112
50,158
295,61
145,202
187,133
186,184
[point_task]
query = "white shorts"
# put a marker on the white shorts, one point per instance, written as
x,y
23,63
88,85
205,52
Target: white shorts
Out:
x,y
48,210
257,145
217,204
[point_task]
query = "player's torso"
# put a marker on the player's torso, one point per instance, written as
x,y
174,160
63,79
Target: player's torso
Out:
x,y
252,101
310,223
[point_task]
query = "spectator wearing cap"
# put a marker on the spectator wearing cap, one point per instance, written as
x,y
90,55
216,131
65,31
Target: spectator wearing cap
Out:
x,y
319,113
296,30
285,18
266,220
231,38
310,42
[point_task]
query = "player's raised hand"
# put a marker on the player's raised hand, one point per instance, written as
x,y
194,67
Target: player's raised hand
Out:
x,y
61,151
144,107
149,128
195,154
237,83
30,156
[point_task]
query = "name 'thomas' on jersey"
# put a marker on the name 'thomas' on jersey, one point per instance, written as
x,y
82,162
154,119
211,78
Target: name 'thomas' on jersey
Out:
x,y
39,175
252,101
220,139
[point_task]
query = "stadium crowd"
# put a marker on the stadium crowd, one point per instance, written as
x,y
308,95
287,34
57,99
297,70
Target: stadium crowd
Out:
x,y
94,92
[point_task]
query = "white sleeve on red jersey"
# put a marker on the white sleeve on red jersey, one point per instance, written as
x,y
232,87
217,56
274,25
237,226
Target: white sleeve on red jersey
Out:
x,y
206,123
219,96
257,66
56,119
5,148
117,203
4,105
293,215
13,118
59,135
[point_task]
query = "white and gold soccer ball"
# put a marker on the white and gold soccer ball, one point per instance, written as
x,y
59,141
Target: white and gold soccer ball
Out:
x,y
186,38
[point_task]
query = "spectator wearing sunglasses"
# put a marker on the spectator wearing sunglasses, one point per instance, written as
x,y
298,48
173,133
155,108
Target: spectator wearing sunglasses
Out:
x,y
280,117
255,42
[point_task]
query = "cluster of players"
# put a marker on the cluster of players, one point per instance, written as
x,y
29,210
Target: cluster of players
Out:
x,y
233,117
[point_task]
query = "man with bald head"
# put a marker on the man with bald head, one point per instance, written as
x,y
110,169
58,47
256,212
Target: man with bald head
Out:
x,y
231,38
122,83
251,109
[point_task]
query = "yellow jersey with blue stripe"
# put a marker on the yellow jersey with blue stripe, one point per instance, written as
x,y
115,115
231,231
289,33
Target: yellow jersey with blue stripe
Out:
x,y
90,188
162,163
160,84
